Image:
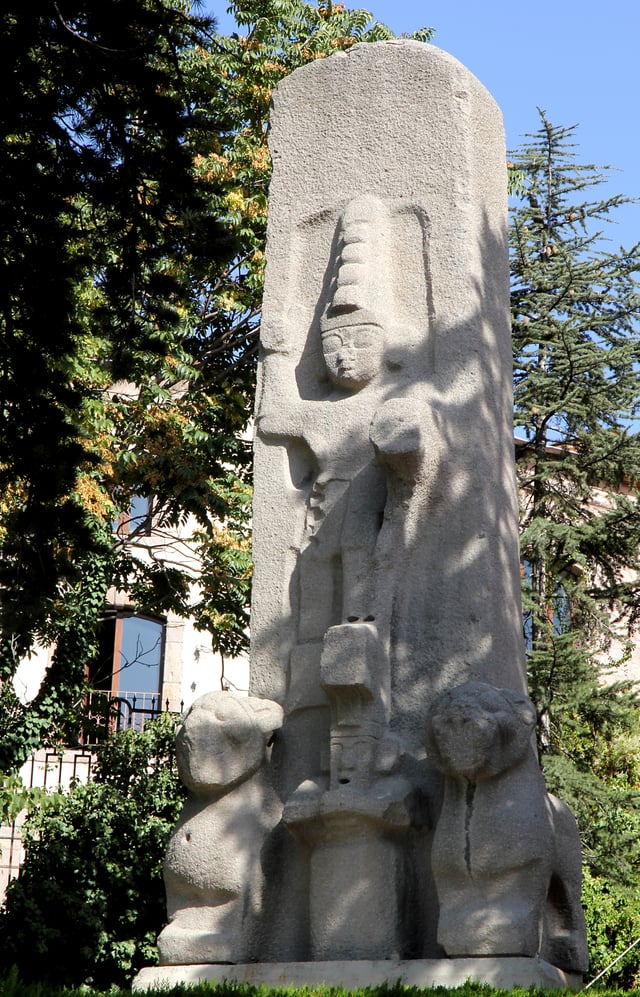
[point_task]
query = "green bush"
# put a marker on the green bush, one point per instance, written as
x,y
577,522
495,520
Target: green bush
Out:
x,y
89,901
613,923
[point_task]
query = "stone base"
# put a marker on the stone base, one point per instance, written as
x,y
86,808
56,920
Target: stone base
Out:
x,y
500,972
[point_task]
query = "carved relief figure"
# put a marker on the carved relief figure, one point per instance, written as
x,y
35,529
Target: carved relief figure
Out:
x,y
357,825
212,869
506,854
350,440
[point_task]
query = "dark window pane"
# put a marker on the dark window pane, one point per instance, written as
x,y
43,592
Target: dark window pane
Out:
x,y
140,665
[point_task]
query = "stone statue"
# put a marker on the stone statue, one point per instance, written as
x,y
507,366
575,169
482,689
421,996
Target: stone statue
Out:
x,y
212,871
386,584
384,446
506,854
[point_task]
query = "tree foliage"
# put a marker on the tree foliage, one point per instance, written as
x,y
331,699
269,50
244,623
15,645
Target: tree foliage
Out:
x,y
89,901
105,230
575,306
99,202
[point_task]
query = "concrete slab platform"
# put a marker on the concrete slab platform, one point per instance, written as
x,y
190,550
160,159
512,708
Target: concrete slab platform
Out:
x,y
503,973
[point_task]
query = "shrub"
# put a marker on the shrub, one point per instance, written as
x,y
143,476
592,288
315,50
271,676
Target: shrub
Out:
x,y
89,901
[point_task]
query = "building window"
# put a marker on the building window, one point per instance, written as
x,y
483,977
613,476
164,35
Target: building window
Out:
x,y
559,608
127,671
137,521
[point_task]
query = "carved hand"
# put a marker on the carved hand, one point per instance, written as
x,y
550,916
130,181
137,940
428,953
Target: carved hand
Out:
x,y
394,430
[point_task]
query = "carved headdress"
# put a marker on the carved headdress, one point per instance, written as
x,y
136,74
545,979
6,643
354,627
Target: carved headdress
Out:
x,y
359,291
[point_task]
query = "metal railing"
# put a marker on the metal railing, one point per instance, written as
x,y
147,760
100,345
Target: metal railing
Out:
x,y
45,769
108,713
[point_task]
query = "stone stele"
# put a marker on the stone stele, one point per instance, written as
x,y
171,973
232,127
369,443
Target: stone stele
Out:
x,y
386,587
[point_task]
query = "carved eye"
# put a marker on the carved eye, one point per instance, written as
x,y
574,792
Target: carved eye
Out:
x,y
362,341
331,344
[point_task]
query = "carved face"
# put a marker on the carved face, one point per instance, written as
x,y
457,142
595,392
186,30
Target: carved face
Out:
x,y
353,355
475,731
466,739
352,759
218,743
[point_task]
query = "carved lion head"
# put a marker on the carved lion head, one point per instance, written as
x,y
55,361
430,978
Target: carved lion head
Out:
x,y
221,740
476,731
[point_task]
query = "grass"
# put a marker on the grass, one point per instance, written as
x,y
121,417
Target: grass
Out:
x,y
10,986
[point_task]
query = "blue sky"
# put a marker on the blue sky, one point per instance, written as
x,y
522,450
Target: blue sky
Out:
x,y
577,59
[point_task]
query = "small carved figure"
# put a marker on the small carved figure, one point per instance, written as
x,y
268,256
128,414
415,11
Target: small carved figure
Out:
x,y
353,436
212,870
506,854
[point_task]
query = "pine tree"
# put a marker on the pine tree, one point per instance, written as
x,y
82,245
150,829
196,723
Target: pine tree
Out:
x,y
576,347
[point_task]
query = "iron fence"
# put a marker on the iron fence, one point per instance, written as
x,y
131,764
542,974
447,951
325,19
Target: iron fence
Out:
x,y
107,712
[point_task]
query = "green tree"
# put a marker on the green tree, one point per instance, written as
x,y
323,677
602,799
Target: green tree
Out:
x,y
105,229
99,199
89,901
575,306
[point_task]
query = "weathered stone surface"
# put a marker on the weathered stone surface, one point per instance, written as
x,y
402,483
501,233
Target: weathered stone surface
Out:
x,y
384,457
506,854
385,516
213,875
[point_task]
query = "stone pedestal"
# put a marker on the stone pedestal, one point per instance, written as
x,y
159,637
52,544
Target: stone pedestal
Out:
x,y
500,973
358,869
353,914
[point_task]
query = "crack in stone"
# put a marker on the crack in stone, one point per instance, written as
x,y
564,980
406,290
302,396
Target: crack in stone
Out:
x,y
471,790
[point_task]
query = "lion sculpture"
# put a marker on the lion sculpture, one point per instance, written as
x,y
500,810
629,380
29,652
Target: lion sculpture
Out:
x,y
506,854
212,871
